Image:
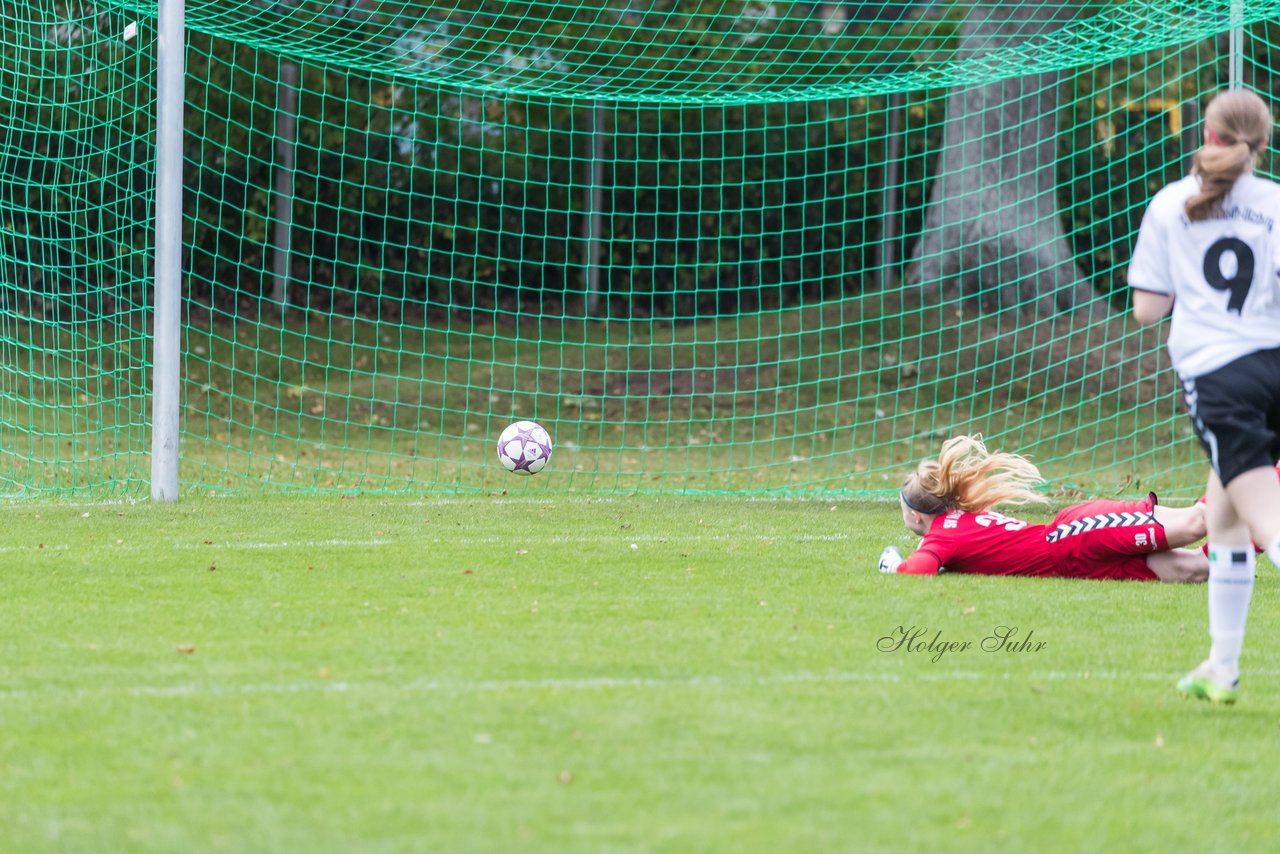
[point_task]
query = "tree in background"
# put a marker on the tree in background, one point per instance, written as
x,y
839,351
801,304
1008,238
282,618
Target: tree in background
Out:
x,y
993,229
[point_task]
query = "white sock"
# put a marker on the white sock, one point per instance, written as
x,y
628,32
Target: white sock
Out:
x,y
1230,588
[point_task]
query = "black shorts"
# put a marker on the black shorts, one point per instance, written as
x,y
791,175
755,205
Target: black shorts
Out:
x,y
1236,413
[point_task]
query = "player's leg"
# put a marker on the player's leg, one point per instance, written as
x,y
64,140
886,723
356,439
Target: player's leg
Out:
x,y
1235,411
1106,539
1243,503
1179,565
1231,574
1253,447
1183,525
1237,515
1255,495
1256,547
1273,546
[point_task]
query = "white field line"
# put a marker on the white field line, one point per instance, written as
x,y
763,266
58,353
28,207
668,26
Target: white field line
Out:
x,y
580,500
297,544
594,683
646,538
54,504
283,544
523,539
584,500
485,498
658,538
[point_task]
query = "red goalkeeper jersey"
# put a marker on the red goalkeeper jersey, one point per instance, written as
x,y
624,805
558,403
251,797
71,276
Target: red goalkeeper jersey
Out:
x,y
1097,539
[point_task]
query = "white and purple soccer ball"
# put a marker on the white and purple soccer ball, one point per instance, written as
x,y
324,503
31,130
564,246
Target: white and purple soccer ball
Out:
x,y
524,448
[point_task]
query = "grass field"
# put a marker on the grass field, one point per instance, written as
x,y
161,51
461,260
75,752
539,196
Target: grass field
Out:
x,y
616,674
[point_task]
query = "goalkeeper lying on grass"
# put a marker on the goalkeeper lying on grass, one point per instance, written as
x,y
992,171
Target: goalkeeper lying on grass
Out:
x,y
950,502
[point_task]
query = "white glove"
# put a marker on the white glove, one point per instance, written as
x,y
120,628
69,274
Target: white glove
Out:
x,y
890,559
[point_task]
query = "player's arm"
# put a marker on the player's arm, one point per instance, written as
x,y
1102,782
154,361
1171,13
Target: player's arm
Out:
x,y
1149,271
1151,307
920,562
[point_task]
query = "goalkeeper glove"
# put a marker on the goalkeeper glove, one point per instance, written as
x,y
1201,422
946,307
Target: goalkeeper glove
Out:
x,y
890,559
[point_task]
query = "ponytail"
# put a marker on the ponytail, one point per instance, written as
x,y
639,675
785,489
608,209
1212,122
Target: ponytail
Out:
x,y
966,476
1238,123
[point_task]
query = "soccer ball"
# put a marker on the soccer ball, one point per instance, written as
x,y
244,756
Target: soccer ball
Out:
x,y
524,448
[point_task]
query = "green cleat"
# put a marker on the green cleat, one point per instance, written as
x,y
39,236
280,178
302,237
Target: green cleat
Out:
x,y
1203,684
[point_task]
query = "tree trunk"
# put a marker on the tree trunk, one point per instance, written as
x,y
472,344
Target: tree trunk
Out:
x,y
993,229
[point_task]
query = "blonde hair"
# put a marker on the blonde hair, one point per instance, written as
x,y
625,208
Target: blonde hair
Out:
x,y
1242,122
966,476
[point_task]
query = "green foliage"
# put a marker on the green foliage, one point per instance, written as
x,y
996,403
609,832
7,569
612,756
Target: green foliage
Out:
x,y
1130,129
413,197
76,161
421,199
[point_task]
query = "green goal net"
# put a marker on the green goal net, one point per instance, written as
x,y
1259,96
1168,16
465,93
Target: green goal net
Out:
x,y
750,247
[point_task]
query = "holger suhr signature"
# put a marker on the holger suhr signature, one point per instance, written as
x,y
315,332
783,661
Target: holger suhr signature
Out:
x,y
919,639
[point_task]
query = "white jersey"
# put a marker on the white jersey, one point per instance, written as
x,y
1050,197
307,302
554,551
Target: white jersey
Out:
x,y
1224,272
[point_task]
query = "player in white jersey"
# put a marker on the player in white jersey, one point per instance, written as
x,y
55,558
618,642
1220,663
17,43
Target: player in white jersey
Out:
x,y
1209,252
